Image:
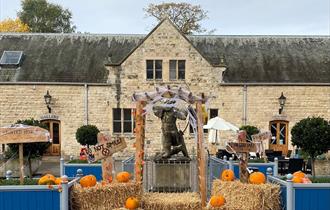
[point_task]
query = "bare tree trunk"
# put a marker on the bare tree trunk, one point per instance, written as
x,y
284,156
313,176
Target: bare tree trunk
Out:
x,y
313,167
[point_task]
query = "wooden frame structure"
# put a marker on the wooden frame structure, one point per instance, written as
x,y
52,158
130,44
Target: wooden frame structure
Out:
x,y
142,99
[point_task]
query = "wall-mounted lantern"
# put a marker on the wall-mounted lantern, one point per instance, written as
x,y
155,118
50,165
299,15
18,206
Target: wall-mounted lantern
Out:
x,y
281,101
48,99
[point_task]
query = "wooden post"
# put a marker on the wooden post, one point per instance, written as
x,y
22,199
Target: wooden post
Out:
x,y
201,154
106,162
243,163
21,163
139,141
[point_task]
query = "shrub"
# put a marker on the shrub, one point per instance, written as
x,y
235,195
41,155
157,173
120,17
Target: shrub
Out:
x,y
87,135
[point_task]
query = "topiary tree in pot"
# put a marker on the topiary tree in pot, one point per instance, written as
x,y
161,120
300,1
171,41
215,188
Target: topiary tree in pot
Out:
x,y
87,135
250,130
312,135
31,150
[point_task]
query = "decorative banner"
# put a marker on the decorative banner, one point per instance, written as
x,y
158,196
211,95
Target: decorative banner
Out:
x,y
241,147
106,149
261,136
23,134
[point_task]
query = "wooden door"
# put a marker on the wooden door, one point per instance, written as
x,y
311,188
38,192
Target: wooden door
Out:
x,y
279,140
54,127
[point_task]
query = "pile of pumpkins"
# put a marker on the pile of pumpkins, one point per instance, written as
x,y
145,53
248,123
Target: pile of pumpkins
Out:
x,y
300,177
229,175
49,179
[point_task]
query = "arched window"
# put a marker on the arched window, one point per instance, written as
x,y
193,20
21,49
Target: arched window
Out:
x,y
279,140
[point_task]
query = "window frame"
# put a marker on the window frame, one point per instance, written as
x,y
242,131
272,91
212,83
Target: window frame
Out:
x,y
154,69
177,70
122,121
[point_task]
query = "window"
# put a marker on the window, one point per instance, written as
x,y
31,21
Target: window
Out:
x,y
279,140
212,113
154,69
123,121
11,58
177,69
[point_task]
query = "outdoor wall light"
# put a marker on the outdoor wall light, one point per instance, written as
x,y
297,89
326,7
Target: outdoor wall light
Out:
x,y
48,99
281,101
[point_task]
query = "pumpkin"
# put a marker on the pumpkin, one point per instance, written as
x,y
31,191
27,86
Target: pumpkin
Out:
x,y
297,179
123,176
47,179
132,203
88,181
228,175
217,201
257,178
58,181
299,174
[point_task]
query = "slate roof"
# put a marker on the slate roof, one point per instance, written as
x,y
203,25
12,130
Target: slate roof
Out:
x,y
82,57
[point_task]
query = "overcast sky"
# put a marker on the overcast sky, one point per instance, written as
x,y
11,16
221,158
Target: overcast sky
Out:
x,y
277,17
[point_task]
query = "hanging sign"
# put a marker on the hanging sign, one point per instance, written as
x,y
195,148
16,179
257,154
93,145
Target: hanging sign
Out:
x,y
23,134
241,147
106,149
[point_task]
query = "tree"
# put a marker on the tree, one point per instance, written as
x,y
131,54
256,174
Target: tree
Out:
x,y
31,150
11,25
87,135
312,135
44,17
250,130
185,16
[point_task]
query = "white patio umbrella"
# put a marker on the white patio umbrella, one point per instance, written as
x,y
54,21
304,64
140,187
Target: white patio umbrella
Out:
x,y
215,124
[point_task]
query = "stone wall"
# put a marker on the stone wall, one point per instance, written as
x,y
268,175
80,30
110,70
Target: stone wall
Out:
x,y
18,101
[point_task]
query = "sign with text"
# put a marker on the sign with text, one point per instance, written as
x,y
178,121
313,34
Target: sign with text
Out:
x,y
23,134
241,147
261,136
106,149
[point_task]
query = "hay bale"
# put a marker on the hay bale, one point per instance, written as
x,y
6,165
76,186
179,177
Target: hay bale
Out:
x,y
105,197
247,196
171,201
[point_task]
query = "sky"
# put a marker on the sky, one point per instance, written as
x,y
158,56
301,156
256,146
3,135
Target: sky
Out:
x,y
227,17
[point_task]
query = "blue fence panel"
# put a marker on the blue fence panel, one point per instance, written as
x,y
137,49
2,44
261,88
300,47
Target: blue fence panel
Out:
x,y
312,198
29,200
262,168
95,169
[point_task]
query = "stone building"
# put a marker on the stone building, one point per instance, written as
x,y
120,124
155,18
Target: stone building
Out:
x,y
91,79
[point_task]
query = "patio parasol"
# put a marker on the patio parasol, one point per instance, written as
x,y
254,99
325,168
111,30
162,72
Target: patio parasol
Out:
x,y
215,124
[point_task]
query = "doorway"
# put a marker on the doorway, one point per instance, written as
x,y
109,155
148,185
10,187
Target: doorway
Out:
x,y
279,140
54,128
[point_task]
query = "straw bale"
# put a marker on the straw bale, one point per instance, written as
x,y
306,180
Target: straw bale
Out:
x,y
106,197
171,201
247,196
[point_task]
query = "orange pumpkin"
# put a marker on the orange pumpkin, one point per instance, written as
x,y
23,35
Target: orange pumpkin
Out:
x,y
123,176
228,175
132,203
47,179
297,179
217,201
58,181
257,178
299,174
88,181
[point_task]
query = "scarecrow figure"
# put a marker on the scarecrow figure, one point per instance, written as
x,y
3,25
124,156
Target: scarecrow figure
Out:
x,y
172,138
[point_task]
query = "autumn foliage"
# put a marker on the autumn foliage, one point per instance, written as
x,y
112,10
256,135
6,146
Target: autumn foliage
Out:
x,y
11,25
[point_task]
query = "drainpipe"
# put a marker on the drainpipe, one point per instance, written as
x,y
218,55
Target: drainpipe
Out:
x,y
86,104
244,119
